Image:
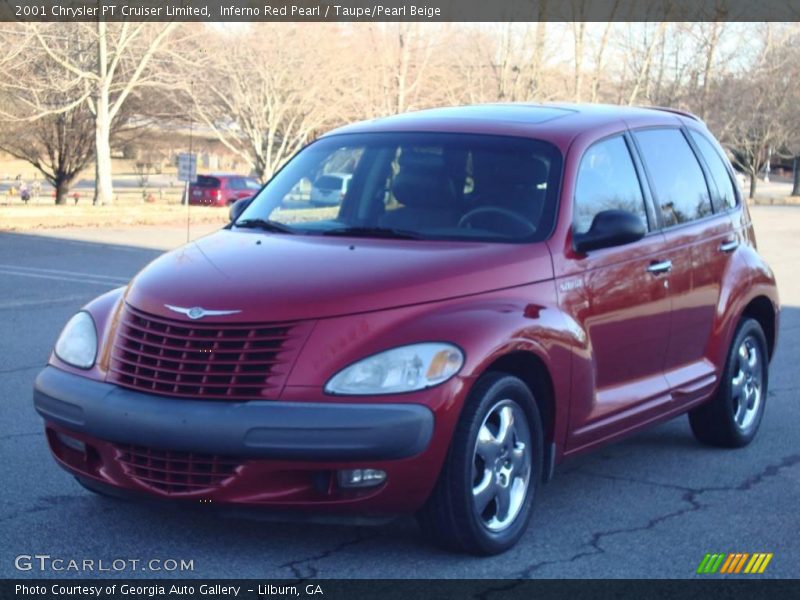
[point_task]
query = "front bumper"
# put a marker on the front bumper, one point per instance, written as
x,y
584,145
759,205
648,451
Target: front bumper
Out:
x,y
255,429
261,454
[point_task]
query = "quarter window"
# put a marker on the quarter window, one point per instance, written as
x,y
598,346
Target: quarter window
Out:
x,y
607,180
678,183
719,172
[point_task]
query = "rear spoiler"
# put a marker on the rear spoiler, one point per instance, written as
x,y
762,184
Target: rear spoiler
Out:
x,y
677,111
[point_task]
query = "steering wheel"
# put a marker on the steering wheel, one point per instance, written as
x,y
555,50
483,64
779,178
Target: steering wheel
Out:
x,y
505,212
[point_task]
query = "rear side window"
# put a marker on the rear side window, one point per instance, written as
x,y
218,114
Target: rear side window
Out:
x,y
719,172
678,183
204,181
242,183
607,180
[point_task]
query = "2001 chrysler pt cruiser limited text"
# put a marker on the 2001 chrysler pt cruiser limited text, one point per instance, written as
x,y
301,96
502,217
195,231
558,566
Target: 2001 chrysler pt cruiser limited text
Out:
x,y
501,287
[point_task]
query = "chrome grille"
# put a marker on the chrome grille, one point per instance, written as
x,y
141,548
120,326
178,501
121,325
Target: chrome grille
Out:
x,y
203,360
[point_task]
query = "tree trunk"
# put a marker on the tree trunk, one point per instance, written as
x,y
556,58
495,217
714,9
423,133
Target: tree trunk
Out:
x,y
103,186
796,176
62,188
753,181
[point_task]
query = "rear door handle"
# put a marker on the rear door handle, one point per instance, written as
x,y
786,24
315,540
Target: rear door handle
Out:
x,y
664,266
729,246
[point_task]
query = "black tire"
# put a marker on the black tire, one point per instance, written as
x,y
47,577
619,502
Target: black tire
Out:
x,y
732,417
450,518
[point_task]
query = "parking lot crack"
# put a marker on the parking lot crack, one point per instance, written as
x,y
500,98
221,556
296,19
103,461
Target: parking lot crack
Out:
x,y
11,436
20,369
689,498
306,568
768,471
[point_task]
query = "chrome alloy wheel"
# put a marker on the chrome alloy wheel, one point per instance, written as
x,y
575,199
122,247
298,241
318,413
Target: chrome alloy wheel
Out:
x,y
747,384
501,465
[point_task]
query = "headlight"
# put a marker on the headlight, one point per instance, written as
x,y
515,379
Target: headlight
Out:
x,y
403,369
77,344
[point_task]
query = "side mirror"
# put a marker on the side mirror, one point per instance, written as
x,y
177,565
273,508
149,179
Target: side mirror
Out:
x,y
610,228
237,208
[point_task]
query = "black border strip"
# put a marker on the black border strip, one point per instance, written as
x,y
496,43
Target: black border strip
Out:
x,y
400,589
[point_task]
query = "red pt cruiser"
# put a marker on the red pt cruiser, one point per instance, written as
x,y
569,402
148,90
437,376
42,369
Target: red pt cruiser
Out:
x,y
501,287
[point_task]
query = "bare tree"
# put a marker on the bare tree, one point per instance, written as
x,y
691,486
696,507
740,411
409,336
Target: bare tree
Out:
x,y
516,57
579,35
711,41
397,67
752,109
45,120
108,62
792,144
264,93
600,55
59,146
267,89
641,62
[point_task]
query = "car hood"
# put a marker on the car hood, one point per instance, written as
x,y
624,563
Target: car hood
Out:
x,y
282,277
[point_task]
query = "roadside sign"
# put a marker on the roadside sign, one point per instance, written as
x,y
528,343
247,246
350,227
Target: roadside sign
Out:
x,y
187,167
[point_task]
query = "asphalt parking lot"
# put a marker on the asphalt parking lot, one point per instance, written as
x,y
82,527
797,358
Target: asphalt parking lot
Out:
x,y
649,507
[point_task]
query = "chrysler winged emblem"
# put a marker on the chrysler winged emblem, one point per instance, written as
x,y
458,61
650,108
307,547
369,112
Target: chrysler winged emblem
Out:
x,y
198,312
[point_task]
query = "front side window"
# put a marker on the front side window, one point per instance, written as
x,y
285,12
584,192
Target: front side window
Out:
x,y
679,186
607,180
719,172
436,186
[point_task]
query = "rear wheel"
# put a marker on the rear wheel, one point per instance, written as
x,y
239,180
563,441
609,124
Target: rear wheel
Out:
x,y
482,501
732,417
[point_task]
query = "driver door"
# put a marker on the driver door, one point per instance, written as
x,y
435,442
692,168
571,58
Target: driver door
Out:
x,y
619,297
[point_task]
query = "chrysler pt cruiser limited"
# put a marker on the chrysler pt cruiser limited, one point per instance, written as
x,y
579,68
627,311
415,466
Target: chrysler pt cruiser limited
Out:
x,y
501,287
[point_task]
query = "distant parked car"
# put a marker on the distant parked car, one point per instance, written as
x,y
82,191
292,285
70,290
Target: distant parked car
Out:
x,y
221,190
330,189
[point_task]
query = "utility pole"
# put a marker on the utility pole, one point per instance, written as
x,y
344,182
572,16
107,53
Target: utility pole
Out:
x,y
191,159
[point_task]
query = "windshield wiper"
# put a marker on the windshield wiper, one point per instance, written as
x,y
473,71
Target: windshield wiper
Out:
x,y
265,224
378,232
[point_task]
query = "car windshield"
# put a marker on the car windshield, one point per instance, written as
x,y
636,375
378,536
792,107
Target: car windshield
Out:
x,y
429,186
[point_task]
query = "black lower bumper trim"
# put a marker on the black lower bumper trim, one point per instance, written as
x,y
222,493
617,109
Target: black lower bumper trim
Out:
x,y
266,429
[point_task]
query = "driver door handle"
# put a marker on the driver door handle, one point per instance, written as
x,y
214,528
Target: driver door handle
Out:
x,y
663,266
729,246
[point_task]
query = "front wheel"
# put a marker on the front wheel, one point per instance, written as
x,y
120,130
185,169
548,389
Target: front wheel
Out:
x,y
482,501
732,417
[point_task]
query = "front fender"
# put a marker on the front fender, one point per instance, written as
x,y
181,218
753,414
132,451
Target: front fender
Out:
x,y
486,327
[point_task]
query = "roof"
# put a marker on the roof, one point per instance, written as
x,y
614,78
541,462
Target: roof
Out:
x,y
548,121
